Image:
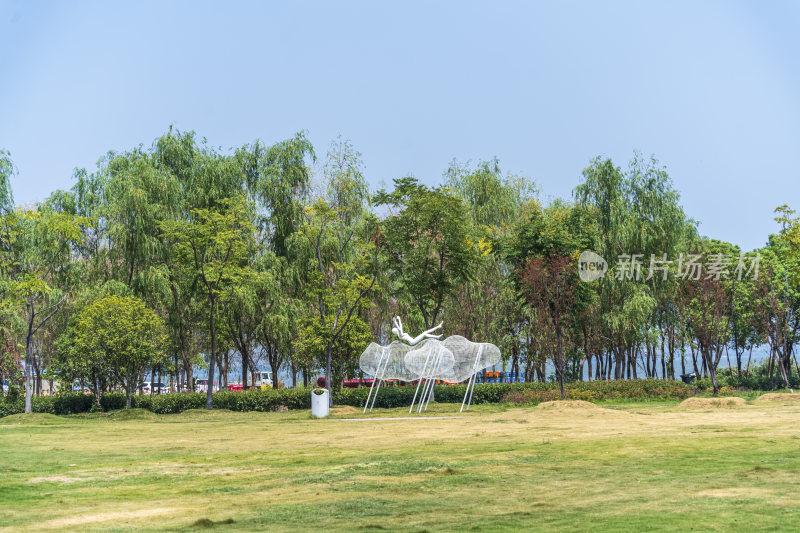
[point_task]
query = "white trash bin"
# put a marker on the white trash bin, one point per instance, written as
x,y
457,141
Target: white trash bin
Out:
x,y
320,403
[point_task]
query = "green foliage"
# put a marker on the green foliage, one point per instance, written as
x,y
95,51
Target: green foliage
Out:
x,y
389,397
430,243
246,259
312,340
7,170
494,201
278,179
120,336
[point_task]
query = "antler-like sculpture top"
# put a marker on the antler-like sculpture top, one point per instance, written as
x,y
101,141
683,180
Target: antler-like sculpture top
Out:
x,y
398,330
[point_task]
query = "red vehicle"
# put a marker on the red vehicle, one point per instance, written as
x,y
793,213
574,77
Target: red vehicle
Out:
x,y
355,383
367,382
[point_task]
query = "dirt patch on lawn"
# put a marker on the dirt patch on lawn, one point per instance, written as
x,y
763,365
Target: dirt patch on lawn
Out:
x,y
59,479
735,492
715,403
345,410
118,518
782,397
567,404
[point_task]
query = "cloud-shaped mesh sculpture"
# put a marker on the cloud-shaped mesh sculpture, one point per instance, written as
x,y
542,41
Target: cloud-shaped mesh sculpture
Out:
x,y
430,359
469,357
386,362
460,359
455,359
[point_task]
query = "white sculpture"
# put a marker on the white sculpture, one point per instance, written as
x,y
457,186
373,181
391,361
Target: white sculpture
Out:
x,y
427,359
398,330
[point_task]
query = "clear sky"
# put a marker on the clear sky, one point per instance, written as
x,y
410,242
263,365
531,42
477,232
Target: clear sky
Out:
x,y
710,88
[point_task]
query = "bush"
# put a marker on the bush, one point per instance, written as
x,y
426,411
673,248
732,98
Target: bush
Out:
x,y
67,403
389,396
639,390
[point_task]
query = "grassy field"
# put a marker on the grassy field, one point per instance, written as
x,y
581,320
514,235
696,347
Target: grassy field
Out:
x,y
590,468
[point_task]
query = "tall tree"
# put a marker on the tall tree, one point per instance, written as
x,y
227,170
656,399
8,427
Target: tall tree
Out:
x,y
214,246
344,271
429,240
36,256
549,284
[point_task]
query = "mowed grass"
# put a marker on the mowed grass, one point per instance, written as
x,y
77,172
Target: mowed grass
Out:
x,y
630,467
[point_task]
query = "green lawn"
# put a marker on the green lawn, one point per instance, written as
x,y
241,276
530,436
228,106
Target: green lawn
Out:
x,y
612,467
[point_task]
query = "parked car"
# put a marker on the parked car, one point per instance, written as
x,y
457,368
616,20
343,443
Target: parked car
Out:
x,y
158,387
201,385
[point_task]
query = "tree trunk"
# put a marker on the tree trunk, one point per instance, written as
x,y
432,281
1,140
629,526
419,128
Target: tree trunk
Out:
x,y
212,355
560,364
128,391
28,359
225,372
328,380
587,356
244,371
711,370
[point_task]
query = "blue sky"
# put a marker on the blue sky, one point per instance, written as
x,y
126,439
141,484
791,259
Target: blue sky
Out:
x,y
710,88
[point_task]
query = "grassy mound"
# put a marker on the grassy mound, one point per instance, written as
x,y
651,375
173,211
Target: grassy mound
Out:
x,y
204,414
784,397
567,404
724,403
45,419
132,414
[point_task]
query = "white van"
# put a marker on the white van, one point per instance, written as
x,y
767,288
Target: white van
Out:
x,y
264,380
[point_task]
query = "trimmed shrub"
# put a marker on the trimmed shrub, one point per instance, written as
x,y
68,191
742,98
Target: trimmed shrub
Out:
x,y
389,396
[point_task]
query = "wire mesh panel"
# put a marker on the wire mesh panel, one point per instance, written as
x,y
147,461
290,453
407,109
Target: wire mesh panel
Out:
x,y
460,359
470,357
430,359
386,362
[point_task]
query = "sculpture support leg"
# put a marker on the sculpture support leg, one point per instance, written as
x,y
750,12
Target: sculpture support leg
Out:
x,y
428,388
473,378
383,374
466,391
421,379
372,385
470,395
374,378
433,379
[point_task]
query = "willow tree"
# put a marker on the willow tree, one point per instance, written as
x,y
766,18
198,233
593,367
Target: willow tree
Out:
x,y
36,257
277,179
639,223
139,196
343,262
9,355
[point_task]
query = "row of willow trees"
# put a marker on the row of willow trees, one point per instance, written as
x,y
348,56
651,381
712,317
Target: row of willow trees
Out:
x,y
264,256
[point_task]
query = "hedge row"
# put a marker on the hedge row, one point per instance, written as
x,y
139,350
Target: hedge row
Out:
x,y
275,399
